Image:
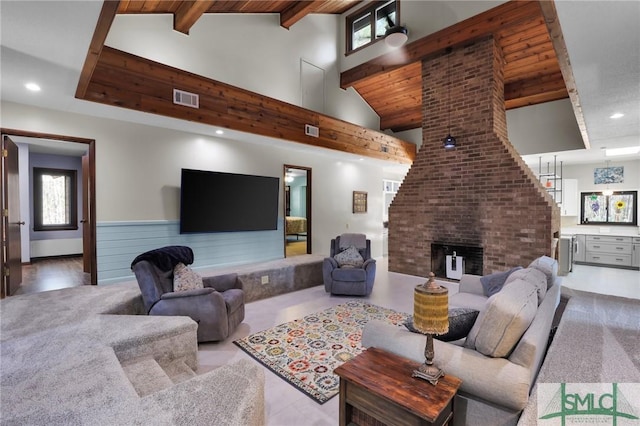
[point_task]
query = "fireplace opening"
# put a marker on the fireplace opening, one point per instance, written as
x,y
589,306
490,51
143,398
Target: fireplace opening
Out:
x,y
452,260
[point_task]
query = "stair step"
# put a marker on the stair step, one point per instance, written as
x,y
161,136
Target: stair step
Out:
x,y
146,375
178,371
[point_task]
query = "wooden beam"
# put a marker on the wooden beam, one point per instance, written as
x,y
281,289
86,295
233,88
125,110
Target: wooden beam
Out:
x,y
547,87
297,11
107,15
125,80
548,8
474,28
188,13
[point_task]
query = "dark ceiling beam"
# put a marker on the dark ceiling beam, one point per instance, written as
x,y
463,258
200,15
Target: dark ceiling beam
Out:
x,y
548,8
297,11
188,13
474,28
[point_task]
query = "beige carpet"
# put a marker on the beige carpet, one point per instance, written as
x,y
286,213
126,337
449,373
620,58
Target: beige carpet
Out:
x,y
597,341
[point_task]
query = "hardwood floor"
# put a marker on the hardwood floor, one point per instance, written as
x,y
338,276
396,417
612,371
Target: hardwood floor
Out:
x,y
52,274
296,248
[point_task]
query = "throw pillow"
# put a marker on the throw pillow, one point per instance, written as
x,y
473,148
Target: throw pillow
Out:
x,y
491,284
460,322
184,278
505,318
547,265
532,276
349,258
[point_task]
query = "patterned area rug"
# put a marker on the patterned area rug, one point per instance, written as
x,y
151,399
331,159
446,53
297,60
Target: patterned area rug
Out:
x,y
305,352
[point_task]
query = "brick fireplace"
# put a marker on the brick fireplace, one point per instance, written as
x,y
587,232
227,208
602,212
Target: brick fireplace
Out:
x,y
480,194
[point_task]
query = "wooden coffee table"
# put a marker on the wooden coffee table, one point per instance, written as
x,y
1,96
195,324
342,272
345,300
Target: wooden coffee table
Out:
x,y
379,384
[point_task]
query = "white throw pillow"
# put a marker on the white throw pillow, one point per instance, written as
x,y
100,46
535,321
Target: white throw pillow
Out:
x,y
532,276
184,278
548,266
503,321
349,258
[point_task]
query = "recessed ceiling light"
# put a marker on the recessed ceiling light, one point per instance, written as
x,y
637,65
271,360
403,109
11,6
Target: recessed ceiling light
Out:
x,y
617,115
219,132
622,151
33,87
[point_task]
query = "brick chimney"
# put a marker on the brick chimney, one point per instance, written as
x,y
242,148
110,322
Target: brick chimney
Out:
x,y
479,194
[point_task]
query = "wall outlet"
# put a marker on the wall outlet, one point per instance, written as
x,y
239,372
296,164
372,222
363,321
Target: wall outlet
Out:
x,y
265,279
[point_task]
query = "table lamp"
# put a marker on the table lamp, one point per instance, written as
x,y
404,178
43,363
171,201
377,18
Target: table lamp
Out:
x,y
430,316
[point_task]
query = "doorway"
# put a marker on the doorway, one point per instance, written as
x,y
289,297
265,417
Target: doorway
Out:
x,y
297,209
20,244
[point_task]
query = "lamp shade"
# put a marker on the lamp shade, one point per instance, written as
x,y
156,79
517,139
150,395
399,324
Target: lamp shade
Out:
x,y
431,308
396,36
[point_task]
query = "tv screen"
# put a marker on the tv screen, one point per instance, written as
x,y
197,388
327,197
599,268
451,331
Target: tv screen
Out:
x,y
224,202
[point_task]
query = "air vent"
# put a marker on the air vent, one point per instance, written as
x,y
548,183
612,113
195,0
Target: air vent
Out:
x,y
181,97
310,130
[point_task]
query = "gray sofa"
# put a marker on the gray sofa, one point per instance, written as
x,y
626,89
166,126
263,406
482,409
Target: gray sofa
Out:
x,y
499,360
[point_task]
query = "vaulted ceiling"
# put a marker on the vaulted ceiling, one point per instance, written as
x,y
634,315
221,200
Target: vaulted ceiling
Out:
x,y
393,88
532,72
526,31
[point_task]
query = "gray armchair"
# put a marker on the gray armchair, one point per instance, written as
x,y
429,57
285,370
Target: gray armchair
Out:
x,y
351,281
218,308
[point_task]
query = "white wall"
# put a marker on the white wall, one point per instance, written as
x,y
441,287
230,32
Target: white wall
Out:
x,y
584,174
262,57
25,208
547,127
138,171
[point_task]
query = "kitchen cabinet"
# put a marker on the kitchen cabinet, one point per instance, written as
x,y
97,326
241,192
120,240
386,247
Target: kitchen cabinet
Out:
x,y
635,257
569,205
608,250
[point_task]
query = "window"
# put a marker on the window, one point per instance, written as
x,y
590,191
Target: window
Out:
x,y
617,209
369,24
54,199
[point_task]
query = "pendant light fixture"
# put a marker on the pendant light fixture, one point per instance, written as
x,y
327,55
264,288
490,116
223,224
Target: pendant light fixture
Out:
x,y
607,192
396,35
449,142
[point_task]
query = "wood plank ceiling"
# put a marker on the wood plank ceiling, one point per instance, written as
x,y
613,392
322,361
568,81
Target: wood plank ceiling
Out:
x,y
532,74
532,71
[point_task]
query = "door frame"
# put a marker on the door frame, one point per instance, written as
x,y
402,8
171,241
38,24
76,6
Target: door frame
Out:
x,y
11,221
308,205
88,193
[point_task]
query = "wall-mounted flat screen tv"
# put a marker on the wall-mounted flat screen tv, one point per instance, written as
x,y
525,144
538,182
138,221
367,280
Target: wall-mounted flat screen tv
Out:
x,y
227,202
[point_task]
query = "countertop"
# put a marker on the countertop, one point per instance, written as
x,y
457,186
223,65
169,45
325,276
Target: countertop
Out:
x,y
614,231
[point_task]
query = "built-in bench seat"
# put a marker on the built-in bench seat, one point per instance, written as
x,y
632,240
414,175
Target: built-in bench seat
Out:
x,y
283,275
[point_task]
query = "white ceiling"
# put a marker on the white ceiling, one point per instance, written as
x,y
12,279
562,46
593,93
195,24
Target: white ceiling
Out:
x,y
47,42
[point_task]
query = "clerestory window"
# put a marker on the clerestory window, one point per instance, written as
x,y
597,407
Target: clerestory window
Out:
x,y
369,24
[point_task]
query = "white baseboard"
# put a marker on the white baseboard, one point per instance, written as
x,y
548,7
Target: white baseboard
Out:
x,y
60,247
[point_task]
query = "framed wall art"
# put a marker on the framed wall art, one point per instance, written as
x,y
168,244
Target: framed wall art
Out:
x,y
359,202
608,175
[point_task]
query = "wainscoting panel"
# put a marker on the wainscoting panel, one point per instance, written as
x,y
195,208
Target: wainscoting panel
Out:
x,y
118,243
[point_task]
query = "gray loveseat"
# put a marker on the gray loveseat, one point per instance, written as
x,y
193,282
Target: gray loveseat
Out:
x,y
499,360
